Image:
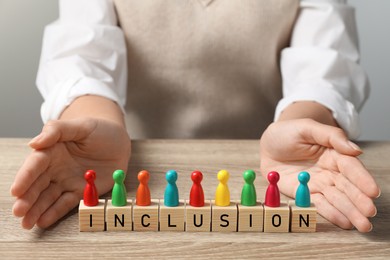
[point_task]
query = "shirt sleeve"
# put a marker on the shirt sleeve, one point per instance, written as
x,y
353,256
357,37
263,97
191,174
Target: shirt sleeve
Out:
x,y
321,63
83,53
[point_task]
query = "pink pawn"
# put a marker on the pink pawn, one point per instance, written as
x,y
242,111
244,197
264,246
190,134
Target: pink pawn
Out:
x,y
272,195
91,196
196,193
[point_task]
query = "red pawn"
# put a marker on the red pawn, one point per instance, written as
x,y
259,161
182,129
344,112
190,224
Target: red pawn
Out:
x,y
91,196
272,195
143,193
196,193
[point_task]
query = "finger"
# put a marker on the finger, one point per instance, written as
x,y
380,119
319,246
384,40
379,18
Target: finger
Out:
x,y
357,174
62,131
328,136
341,202
329,212
361,201
23,204
36,163
45,200
60,208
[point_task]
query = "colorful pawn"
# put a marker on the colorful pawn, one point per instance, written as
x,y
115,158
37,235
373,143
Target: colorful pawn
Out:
x,y
196,193
248,193
272,195
302,196
91,209
143,192
119,194
171,194
91,196
222,194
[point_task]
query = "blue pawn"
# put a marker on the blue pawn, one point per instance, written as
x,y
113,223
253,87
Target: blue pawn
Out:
x,y
302,196
171,195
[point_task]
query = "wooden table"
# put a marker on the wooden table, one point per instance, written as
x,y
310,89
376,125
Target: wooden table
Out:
x,y
65,241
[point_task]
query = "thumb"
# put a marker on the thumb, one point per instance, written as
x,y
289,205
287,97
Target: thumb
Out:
x,y
62,131
329,136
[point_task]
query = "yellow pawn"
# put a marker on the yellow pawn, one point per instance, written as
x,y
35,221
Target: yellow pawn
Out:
x,y
222,194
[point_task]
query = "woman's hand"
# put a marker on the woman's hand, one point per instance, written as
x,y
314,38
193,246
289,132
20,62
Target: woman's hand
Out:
x,y
341,187
50,182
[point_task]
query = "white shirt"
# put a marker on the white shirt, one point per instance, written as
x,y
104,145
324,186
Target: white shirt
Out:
x,y
84,52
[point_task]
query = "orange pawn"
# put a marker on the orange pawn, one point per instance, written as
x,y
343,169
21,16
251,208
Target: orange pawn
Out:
x,y
143,192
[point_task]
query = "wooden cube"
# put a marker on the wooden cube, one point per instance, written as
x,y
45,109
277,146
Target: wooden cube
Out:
x,y
250,218
303,219
92,218
119,218
198,219
277,219
172,218
145,218
224,219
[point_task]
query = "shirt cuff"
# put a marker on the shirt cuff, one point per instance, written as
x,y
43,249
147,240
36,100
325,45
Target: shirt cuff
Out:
x,y
343,111
65,92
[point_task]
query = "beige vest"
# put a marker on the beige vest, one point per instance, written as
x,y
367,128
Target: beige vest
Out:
x,y
204,68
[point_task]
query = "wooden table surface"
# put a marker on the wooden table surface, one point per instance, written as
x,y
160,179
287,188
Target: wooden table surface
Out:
x,y
65,241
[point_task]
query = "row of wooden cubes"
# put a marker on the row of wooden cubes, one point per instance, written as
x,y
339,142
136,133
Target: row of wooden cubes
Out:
x,y
236,217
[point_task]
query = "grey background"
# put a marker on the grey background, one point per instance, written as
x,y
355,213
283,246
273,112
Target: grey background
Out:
x,y
21,30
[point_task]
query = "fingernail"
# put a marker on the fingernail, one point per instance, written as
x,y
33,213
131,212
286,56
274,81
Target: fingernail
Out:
x,y
379,194
376,211
36,139
354,146
371,228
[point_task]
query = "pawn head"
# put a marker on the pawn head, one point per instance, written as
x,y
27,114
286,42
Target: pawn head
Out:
x,y
249,176
273,177
303,177
90,175
118,176
223,176
171,176
196,176
143,176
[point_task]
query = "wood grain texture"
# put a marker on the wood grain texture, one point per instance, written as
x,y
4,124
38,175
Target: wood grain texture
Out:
x,y
145,218
172,218
119,218
198,219
303,219
224,218
250,218
277,219
64,241
92,218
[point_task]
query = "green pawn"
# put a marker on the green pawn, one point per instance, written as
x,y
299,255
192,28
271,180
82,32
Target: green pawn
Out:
x,y
119,194
248,194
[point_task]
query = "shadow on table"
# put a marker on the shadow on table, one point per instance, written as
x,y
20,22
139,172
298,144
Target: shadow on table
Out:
x,y
40,233
381,222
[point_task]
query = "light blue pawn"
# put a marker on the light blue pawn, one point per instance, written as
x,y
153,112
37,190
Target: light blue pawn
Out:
x,y
171,195
302,196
